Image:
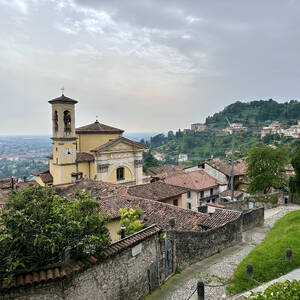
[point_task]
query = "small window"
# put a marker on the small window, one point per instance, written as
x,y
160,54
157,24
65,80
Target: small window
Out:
x,y
175,202
189,194
120,174
202,194
189,205
211,192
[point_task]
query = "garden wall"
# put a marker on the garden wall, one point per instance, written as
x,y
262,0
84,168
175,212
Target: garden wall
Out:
x,y
121,276
253,218
193,246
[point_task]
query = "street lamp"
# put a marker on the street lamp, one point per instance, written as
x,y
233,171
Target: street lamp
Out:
x,y
232,160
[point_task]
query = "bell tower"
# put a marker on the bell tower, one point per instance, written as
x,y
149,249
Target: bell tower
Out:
x,y
63,163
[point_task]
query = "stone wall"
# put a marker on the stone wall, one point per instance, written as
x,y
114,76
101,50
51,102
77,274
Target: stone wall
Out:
x,y
122,276
194,246
253,218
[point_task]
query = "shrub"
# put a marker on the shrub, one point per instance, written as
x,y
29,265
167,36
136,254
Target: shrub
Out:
x,y
37,228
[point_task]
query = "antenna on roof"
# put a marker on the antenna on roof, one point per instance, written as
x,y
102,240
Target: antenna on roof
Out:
x,y
62,90
97,119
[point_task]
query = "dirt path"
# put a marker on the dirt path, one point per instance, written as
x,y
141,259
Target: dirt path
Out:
x,y
219,267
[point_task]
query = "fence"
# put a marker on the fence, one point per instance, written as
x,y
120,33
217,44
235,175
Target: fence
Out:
x,y
200,289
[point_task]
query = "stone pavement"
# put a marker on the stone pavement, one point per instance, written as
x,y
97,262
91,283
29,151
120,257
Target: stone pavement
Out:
x,y
294,275
220,267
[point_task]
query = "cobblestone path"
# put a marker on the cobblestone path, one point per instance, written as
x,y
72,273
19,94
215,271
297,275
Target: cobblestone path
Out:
x,y
219,267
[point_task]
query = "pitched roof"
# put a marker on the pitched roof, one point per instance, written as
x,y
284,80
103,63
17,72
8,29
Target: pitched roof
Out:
x,y
63,99
196,180
96,128
226,168
84,157
107,145
97,188
45,176
227,193
60,272
156,190
167,169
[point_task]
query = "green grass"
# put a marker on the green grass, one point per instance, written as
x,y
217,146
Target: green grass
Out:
x,y
267,258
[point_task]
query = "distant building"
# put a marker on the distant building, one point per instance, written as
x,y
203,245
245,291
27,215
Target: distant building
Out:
x,y
237,127
182,157
198,127
159,156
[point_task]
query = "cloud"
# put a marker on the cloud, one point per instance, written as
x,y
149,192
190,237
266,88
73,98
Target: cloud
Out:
x,y
144,65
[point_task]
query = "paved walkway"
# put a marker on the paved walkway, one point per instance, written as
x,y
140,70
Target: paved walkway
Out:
x,y
219,267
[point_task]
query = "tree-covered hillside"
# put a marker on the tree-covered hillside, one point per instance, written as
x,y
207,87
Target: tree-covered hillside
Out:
x,y
256,113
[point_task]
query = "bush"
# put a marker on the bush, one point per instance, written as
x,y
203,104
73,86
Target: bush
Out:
x,y
130,219
279,290
37,228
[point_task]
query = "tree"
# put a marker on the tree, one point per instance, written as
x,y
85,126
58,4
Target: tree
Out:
x,y
266,168
150,161
130,219
38,227
295,181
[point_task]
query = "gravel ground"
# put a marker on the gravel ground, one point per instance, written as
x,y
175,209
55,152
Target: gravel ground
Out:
x,y
218,268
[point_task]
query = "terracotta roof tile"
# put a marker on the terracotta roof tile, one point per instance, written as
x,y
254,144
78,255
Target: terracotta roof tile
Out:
x,y
166,169
45,176
96,128
196,180
84,157
240,167
56,273
156,191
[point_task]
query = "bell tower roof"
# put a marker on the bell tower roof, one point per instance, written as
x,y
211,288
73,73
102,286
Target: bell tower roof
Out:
x,y
63,99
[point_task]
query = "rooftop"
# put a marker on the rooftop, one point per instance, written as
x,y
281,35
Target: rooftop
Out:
x,y
84,157
63,99
240,167
167,169
98,128
195,180
60,272
45,176
156,191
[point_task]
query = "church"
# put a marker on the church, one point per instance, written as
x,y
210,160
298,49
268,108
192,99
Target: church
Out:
x,y
95,151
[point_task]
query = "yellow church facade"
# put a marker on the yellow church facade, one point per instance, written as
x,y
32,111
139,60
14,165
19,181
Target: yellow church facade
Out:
x,y
95,151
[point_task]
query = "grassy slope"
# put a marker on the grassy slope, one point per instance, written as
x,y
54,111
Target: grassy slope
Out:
x,y
267,258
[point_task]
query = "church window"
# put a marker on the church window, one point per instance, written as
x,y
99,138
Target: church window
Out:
x,y
120,173
55,120
67,121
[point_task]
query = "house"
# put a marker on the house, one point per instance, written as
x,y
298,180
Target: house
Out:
x,y
95,151
202,187
198,127
222,171
182,157
159,191
236,127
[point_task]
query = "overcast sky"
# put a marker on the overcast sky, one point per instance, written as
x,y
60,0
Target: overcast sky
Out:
x,y
143,65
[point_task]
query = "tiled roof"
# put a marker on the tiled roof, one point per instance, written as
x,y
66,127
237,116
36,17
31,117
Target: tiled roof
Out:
x,y
227,193
156,191
5,183
222,216
107,145
215,205
63,99
95,188
196,180
59,272
97,127
167,169
45,176
240,167
84,157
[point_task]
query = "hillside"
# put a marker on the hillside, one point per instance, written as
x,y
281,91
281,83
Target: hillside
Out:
x,y
256,113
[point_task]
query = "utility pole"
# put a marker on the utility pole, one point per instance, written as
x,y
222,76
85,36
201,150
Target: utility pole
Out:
x,y
232,161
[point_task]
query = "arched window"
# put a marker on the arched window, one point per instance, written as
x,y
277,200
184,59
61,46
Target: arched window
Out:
x,y
55,120
67,121
120,173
